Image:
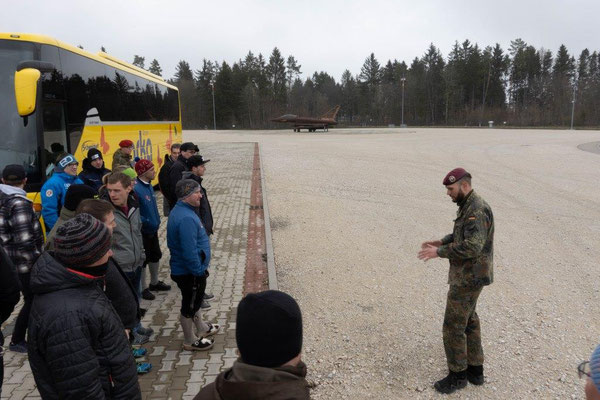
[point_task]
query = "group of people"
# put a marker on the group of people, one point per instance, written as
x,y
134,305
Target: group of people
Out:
x,y
82,288
80,322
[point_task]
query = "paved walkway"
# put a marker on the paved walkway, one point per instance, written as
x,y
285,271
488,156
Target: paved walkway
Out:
x,y
178,374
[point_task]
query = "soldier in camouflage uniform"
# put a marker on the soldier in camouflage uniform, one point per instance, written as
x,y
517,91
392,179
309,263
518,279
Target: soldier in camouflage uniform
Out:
x,y
470,250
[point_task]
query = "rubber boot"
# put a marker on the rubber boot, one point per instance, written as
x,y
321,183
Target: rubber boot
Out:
x,y
451,383
475,374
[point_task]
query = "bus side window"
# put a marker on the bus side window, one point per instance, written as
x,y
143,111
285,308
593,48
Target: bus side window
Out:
x,y
54,133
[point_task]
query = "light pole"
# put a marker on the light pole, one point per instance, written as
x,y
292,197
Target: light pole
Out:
x,y
212,85
573,105
403,79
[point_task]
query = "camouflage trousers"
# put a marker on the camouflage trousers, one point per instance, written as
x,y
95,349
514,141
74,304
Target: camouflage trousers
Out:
x,y
462,334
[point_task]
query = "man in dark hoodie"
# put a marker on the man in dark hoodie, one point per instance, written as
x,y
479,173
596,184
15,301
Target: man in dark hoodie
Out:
x,y
93,169
163,175
269,340
187,150
77,345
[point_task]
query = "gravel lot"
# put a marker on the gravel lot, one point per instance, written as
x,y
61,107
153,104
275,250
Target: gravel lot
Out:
x,y
349,209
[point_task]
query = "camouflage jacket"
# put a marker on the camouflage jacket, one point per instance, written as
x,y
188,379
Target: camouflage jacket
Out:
x,y
121,159
470,247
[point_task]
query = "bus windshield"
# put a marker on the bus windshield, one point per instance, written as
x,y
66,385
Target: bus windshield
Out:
x,y
18,143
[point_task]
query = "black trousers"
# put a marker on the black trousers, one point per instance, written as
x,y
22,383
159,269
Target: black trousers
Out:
x,y
151,247
22,320
192,292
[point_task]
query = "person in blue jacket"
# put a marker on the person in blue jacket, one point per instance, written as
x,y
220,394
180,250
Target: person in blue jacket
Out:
x,y
150,223
54,190
190,257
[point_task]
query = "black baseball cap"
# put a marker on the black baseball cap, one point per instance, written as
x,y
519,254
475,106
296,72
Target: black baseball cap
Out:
x,y
14,172
196,160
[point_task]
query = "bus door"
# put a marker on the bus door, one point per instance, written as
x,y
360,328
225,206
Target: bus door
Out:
x,y
54,133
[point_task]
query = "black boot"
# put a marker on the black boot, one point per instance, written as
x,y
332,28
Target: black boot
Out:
x,y
475,374
451,383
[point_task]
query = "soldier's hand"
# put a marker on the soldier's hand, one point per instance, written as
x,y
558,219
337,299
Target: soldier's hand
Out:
x,y
428,252
436,243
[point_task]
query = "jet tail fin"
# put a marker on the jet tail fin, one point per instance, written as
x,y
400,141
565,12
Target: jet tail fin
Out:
x,y
331,113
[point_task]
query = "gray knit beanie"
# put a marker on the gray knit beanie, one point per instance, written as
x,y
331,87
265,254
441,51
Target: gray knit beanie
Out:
x,y
81,241
185,187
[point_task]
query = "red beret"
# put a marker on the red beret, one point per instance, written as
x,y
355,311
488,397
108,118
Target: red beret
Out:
x,y
143,166
125,143
454,176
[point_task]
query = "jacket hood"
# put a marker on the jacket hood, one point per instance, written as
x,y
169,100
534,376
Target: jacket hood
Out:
x,y
132,199
65,177
10,190
191,175
253,383
49,275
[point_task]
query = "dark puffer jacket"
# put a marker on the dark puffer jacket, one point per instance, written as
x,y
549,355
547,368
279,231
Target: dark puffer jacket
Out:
x,y
77,345
91,175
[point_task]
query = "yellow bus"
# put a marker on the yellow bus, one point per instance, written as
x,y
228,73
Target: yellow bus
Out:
x,y
56,96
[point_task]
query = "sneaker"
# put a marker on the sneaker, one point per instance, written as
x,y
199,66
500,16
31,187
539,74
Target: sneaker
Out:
x,y
451,383
200,344
147,295
145,331
160,286
205,305
475,374
139,339
143,368
209,296
20,347
139,353
212,330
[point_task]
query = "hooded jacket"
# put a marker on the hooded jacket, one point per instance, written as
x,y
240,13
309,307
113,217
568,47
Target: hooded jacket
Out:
x,y
91,175
249,382
127,244
53,195
76,344
204,212
20,229
188,242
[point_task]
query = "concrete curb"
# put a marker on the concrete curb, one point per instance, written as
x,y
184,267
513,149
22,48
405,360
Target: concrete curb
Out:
x,y
273,285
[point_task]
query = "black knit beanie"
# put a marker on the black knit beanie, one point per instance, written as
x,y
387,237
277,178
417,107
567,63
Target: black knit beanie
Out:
x,y
268,328
93,154
81,241
76,194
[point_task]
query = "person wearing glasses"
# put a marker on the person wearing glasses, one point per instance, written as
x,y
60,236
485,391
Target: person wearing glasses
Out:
x,y
591,370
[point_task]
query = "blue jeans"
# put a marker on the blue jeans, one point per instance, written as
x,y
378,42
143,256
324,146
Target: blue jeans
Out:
x,y
135,277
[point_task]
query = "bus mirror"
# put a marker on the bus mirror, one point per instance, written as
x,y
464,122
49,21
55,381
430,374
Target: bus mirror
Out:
x,y
26,83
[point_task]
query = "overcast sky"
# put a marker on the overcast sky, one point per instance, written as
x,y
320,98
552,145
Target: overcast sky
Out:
x,y
324,35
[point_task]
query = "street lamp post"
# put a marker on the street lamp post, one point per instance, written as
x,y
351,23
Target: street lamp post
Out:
x,y
212,85
573,106
403,79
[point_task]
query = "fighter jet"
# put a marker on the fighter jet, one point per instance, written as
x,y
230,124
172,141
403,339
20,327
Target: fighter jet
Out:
x,y
308,123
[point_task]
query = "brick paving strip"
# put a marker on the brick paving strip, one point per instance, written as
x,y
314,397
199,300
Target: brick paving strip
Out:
x,y
242,262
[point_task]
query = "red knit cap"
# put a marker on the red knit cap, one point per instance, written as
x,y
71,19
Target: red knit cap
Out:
x,y
125,143
143,166
454,176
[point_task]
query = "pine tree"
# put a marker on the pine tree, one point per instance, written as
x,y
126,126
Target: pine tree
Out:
x,y
138,61
155,67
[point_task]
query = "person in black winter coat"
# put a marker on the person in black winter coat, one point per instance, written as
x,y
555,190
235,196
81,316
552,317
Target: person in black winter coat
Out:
x,y
77,345
197,169
187,150
163,175
93,169
9,297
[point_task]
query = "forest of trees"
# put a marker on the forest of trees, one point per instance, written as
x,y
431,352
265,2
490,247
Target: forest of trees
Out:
x,y
521,86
